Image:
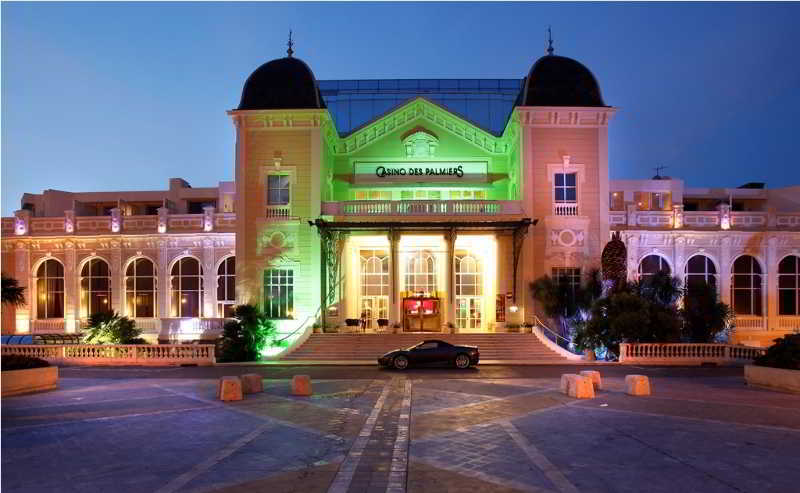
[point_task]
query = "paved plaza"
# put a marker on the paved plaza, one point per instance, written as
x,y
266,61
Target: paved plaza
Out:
x,y
491,429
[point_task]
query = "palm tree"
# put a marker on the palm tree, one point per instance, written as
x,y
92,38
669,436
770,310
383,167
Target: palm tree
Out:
x,y
13,293
614,262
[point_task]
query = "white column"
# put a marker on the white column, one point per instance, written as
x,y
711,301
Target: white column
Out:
x,y
769,290
163,280
24,313
71,289
725,269
116,277
209,280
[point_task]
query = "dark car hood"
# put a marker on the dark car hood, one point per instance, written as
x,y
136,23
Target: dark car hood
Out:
x,y
464,346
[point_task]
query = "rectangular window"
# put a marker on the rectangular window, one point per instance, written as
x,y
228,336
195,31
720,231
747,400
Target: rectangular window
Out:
x,y
661,201
616,201
277,189
565,188
567,276
642,200
279,293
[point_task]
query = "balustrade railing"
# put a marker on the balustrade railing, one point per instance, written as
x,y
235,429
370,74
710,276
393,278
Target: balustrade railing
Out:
x,y
421,207
278,211
565,209
789,322
686,353
47,325
85,354
750,323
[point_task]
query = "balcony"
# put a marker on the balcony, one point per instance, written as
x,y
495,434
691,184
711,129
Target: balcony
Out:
x,y
565,209
422,208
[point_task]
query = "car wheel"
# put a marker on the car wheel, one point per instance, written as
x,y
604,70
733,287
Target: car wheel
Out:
x,y
400,362
462,361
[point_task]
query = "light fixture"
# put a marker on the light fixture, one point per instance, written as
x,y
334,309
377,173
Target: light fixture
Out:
x,y
513,308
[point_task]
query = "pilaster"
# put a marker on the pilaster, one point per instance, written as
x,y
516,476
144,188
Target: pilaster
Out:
x,y
22,271
771,288
725,269
163,280
209,280
71,289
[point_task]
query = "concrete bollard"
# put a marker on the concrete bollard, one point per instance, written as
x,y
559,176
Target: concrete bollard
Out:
x,y
581,387
594,376
565,382
229,389
252,383
637,385
301,385
577,386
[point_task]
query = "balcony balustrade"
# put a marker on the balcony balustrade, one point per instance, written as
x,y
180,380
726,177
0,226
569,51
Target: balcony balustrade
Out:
x,y
565,209
421,207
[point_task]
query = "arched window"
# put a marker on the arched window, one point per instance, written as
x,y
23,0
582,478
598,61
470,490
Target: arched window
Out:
x,y
700,270
652,264
187,288
50,289
95,287
421,272
789,286
140,289
746,286
469,291
226,287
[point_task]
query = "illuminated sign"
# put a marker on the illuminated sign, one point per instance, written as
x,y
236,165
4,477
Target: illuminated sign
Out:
x,y
418,171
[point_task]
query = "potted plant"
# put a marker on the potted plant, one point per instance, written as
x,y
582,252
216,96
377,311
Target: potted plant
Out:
x,y
383,323
396,327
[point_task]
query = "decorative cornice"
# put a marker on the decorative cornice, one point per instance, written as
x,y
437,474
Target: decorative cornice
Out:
x,y
558,116
415,110
279,119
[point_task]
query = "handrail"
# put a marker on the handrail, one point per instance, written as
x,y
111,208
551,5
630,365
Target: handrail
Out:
x,y
314,316
537,321
540,330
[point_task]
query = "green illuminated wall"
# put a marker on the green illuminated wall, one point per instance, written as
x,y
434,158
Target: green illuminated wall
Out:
x,y
458,140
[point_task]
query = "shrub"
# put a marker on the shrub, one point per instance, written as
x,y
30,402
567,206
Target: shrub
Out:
x,y
112,328
352,322
705,318
785,353
246,335
12,362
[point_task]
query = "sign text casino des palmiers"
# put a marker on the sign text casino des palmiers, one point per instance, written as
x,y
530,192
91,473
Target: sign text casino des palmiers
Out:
x,y
382,171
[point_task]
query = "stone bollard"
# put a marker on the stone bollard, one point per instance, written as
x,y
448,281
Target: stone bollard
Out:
x,y
252,383
229,389
565,382
301,385
581,387
637,385
594,376
577,386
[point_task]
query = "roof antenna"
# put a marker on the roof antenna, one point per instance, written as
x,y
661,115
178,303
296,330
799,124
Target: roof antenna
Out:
x,y
549,41
658,172
290,51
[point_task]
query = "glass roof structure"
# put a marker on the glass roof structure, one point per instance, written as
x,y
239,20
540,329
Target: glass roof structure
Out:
x,y
485,102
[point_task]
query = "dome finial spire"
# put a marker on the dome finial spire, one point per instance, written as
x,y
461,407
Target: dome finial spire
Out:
x,y
549,41
290,51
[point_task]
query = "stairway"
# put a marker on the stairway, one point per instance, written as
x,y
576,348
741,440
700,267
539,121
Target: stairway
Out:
x,y
368,347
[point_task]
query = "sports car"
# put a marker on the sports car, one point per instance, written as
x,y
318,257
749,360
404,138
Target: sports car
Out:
x,y
431,351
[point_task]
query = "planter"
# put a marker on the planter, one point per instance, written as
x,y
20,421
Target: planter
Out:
x,y
773,378
33,380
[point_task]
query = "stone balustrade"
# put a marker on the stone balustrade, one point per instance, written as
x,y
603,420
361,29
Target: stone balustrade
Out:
x,y
421,207
680,219
565,209
146,355
686,353
87,225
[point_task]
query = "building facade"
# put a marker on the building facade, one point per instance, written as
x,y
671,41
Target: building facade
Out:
x,y
408,205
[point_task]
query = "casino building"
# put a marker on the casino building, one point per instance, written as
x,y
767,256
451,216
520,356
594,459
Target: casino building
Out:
x,y
415,204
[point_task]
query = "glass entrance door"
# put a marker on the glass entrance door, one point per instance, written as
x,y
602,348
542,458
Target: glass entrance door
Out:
x,y
468,312
374,307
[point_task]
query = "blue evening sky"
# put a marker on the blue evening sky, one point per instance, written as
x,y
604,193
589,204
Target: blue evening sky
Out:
x,y
116,96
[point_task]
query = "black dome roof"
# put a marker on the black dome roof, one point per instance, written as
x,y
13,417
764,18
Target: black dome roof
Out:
x,y
560,81
284,83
